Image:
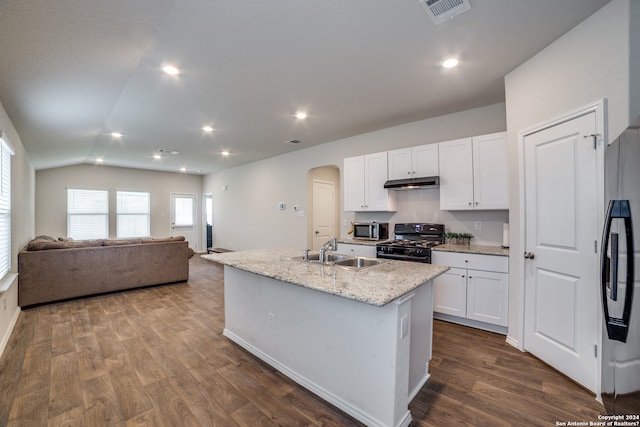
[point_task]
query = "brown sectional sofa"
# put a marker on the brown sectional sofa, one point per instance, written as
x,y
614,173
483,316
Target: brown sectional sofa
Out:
x,y
50,270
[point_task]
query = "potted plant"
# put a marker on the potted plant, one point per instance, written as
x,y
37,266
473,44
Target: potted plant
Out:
x,y
451,238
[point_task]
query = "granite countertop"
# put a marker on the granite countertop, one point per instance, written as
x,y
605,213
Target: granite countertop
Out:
x,y
473,249
360,242
377,285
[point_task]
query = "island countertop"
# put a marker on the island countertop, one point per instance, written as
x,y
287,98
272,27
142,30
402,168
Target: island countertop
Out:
x,y
377,285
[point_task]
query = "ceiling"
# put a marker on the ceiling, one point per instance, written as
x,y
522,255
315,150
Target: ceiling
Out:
x,y
74,71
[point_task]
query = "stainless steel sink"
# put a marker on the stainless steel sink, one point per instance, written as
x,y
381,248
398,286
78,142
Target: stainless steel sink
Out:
x,y
358,262
331,258
340,260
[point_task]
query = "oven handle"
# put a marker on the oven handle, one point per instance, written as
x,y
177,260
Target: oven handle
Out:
x,y
402,257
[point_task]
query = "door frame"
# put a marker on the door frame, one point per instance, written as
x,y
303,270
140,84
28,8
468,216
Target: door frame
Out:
x,y
600,109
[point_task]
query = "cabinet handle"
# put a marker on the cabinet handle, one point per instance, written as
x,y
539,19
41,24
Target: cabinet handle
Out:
x,y
470,204
476,203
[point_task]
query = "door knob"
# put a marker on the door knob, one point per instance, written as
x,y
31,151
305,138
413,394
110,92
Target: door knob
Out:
x,y
529,255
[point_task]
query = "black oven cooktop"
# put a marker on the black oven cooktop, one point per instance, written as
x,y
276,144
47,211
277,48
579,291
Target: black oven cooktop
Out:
x,y
412,242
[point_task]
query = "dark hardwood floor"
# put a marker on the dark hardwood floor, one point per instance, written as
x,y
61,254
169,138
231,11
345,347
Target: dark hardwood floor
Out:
x,y
157,357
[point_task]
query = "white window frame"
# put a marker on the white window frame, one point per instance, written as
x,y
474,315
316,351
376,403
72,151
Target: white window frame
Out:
x,y
6,151
103,212
121,215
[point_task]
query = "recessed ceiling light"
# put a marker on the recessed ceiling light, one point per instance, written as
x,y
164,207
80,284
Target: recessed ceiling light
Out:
x,y
116,134
301,115
450,63
183,169
171,70
99,160
157,156
225,153
207,128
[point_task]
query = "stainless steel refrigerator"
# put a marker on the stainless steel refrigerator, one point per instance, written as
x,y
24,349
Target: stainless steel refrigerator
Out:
x,y
620,276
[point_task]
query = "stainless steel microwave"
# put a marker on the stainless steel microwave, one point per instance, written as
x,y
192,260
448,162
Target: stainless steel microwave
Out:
x,y
371,230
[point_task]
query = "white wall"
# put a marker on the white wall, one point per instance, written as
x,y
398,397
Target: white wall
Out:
x,y
590,62
22,220
52,184
246,214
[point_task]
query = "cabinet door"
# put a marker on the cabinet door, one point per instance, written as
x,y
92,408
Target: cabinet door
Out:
x,y
490,185
450,292
425,161
354,183
456,174
368,251
487,297
400,164
376,197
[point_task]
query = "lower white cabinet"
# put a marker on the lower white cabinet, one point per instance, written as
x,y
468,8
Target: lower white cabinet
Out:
x,y
354,249
476,287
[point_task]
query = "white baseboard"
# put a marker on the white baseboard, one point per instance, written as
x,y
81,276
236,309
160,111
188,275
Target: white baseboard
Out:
x,y
7,335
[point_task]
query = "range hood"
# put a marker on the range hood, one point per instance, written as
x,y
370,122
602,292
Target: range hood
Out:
x,y
413,183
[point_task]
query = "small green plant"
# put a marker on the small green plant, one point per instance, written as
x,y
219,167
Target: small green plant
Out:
x,y
457,238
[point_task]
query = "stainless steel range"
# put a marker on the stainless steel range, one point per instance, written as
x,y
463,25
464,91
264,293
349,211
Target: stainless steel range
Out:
x,y
412,242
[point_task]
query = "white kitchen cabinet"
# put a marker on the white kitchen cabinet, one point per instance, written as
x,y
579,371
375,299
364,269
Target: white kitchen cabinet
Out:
x,y
364,178
450,291
353,249
473,173
413,162
475,288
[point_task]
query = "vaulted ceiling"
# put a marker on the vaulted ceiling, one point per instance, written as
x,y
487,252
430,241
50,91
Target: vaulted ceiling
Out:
x,y
72,72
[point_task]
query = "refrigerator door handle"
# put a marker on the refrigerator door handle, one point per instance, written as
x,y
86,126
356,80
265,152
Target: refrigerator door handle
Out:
x,y
613,287
617,328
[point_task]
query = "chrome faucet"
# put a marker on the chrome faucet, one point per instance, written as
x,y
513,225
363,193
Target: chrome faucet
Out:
x,y
331,245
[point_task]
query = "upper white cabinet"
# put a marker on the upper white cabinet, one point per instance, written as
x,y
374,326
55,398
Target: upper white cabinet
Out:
x,y
364,178
473,173
414,162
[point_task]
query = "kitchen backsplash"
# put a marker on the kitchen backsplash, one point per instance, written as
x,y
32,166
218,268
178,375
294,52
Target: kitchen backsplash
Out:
x,y
424,206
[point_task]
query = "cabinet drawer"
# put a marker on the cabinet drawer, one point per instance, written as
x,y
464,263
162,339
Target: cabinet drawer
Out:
x,y
496,263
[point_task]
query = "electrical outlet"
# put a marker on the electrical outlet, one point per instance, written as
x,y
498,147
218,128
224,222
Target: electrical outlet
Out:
x,y
478,225
272,320
404,326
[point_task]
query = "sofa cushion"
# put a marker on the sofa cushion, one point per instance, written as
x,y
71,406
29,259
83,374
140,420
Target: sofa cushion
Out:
x,y
115,242
41,245
165,239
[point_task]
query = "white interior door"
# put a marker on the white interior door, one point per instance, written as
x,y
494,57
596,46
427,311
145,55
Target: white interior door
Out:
x,y
183,217
324,224
561,230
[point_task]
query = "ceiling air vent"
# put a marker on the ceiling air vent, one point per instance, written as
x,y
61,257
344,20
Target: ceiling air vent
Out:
x,y
163,151
294,141
444,10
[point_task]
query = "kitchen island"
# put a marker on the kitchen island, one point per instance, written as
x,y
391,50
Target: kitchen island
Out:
x,y
360,339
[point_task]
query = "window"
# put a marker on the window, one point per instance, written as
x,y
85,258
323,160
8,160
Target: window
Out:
x,y
87,214
6,151
183,207
133,212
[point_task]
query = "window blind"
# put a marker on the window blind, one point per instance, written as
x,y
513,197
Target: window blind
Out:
x,y
87,214
5,206
133,211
